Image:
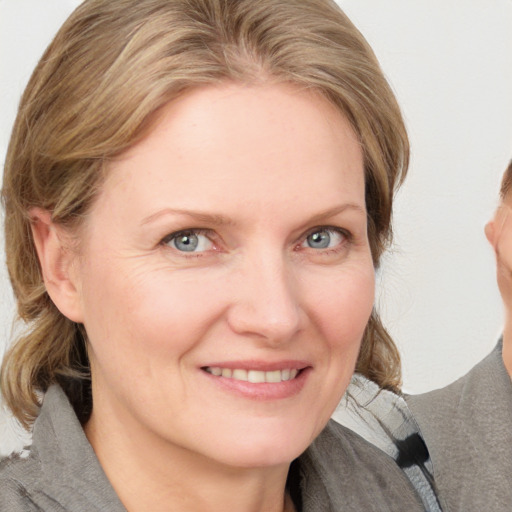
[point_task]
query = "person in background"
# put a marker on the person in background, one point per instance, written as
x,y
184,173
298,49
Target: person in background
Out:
x,y
468,425
197,194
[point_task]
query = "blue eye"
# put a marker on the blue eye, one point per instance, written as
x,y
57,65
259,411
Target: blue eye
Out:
x,y
186,242
189,241
323,239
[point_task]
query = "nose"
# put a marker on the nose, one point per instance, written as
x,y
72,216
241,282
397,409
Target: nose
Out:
x,y
266,301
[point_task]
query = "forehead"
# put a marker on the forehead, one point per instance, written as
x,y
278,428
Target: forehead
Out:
x,y
253,145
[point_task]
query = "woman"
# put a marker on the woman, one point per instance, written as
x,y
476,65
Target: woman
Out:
x,y
197,193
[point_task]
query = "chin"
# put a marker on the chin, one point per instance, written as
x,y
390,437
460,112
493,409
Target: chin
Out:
x,y
261,457
265,447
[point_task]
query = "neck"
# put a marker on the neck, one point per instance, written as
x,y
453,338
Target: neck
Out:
x,y
151,474
507,345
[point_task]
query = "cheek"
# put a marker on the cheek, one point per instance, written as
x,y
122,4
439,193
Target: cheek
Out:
x,y
505,250
504,262
146,315
340,312
173,311
343,304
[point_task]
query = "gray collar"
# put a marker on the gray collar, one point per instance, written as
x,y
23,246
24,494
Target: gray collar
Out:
x,y
70,470
339,471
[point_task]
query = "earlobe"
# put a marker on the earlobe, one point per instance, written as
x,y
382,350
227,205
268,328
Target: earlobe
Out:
x,y
57,262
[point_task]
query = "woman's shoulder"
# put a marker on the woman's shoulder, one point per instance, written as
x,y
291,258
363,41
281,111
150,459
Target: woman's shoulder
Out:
x,y
17,476
348,452
343,469
383,419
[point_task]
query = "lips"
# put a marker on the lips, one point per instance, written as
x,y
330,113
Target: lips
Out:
x,y
253,376
259,380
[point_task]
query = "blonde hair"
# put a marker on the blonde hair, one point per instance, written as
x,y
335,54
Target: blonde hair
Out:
x,y
94,93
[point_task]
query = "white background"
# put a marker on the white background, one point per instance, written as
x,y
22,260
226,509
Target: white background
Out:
x,y
450,64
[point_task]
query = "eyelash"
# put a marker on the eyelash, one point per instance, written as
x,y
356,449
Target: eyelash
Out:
x,y
347,235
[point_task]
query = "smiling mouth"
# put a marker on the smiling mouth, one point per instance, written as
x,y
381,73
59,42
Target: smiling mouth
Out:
x,y
253,376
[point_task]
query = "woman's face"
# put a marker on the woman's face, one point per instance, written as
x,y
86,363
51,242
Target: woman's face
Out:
x,y
225,276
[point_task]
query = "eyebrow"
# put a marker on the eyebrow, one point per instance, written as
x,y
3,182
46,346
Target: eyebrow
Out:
x,y
221,220
205,217
336,210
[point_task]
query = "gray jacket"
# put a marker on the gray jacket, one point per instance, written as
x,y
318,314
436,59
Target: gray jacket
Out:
x,y
468,430
339,472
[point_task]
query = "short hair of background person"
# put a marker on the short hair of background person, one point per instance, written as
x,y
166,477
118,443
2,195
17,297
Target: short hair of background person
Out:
x,y
506,181
98,90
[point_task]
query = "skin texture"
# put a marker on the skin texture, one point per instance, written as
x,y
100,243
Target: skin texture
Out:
x,y
499,233
257,169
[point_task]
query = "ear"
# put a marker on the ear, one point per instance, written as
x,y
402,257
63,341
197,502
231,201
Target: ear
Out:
x,y
58,263
490,232
494,227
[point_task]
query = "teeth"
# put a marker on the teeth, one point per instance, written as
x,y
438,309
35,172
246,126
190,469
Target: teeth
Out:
x,y
253,376
239,375
273,376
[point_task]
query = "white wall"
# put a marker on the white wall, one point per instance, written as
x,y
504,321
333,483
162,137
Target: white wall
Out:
x,y
450,63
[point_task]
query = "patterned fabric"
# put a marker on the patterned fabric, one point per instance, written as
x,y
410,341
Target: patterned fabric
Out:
x,y
383,419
